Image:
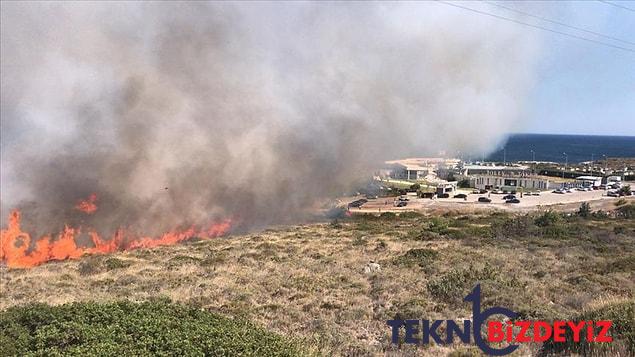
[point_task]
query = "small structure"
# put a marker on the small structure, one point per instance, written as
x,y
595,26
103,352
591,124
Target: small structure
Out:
x,y
446,187
588,181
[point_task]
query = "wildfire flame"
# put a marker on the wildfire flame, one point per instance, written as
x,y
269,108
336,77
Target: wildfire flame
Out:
x,y
88,205
15,244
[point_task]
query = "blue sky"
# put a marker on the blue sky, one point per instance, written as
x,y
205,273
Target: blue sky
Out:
x,y
580,87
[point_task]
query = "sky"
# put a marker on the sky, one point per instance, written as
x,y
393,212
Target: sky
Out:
x,y
580,87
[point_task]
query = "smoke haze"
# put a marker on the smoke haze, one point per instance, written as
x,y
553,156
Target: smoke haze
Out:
x,y
248,110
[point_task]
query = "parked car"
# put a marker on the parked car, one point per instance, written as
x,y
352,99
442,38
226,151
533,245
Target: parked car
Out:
x,y
358,203
484,200
483,191
444,195
558,191
535,193
476,191
498,191
460,195
509,197
401,203
515,200
613,194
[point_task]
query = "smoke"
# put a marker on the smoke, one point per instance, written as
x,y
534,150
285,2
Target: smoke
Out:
x,y
178,113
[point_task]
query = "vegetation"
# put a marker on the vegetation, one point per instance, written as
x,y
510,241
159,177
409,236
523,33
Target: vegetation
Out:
x,y
465,183
132,329
625,190
332,286
584,210
622,315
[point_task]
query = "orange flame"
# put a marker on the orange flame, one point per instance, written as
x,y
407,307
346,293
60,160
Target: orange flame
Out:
x,y
15,243
88,206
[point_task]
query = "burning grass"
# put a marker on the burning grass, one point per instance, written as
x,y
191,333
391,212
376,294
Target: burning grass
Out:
x,y
320,283
17,249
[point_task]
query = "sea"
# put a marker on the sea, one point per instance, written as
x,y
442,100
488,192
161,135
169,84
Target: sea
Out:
x,y
562,148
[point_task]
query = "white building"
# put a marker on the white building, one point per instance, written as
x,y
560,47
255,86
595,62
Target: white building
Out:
x,y
509,183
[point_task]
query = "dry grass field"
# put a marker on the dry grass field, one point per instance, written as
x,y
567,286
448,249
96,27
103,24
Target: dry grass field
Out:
x,y
334,285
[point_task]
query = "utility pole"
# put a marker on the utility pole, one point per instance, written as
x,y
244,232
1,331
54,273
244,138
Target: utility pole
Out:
x,y
566,162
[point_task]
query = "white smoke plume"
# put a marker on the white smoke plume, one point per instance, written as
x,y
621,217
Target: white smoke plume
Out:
x,y
249,110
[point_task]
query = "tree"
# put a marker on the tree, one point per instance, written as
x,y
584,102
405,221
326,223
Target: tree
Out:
x,y
625,191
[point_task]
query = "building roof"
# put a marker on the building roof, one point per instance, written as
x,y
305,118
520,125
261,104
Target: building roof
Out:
x,y
588,178
488,167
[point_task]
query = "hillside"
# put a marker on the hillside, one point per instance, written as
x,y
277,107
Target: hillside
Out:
x,y
334,285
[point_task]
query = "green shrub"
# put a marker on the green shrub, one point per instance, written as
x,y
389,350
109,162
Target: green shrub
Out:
x,y
465,183
621,202
438,225
622,314
584,210
419,256
132,329
453,285
627,211
549,218
513,227
95,264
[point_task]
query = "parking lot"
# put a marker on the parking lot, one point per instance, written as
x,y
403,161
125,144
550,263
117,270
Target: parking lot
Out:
x,y
527,202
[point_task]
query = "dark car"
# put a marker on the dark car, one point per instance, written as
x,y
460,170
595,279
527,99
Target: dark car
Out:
x,y
444,195
509,197
483,191
401,204
357,203
460,195
514,200
484,199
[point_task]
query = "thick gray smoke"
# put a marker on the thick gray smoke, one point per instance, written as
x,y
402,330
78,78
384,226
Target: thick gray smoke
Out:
x,y
248,110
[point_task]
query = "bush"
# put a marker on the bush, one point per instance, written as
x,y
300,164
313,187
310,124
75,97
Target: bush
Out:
x,y
132,329
621,202
625,191
623,331
96,264
453,285
547,219
421,256
627,211
584,210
